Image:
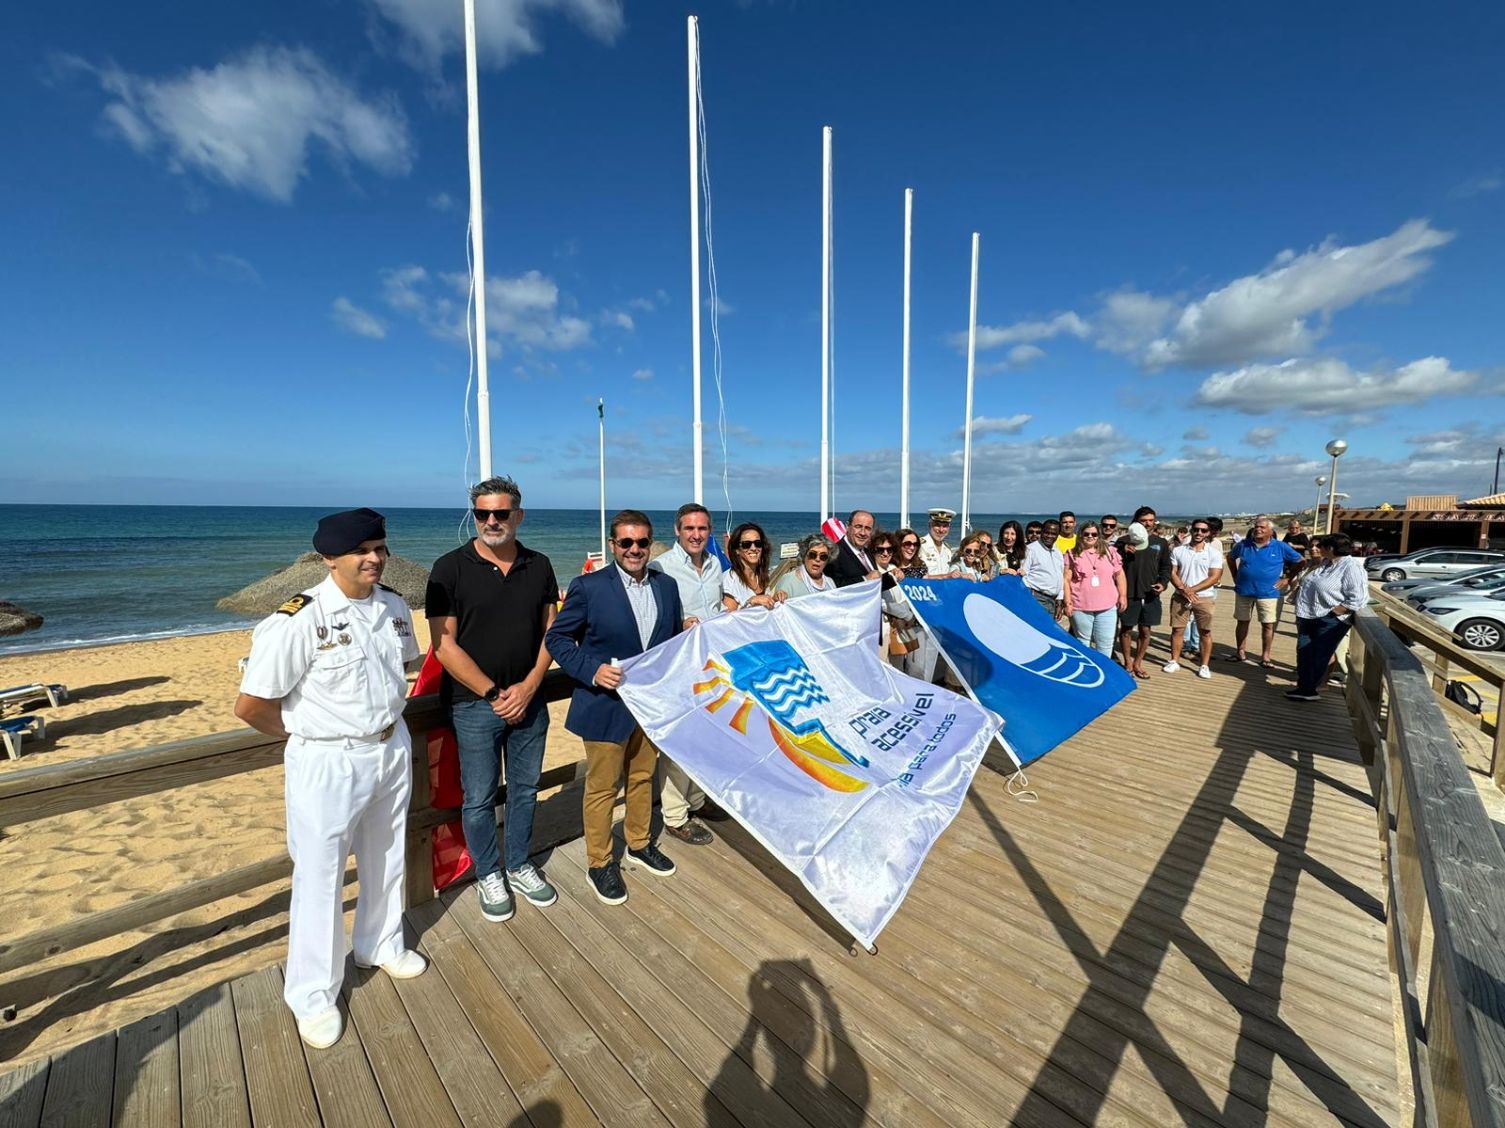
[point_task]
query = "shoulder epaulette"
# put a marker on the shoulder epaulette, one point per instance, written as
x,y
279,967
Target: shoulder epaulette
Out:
x,y
295,604
393,590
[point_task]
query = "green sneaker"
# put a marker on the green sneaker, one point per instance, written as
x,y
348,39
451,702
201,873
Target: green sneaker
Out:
x,y
530,882
496,898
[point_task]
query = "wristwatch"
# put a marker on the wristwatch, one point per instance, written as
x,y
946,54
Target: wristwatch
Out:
x,y
493,693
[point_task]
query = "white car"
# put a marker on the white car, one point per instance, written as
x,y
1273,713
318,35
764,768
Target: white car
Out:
x,y
1476,621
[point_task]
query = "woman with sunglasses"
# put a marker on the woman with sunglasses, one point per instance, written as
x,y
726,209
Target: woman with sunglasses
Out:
x,y
907,558
1095,589
1010,550
897,639
971,559
745,583
807,575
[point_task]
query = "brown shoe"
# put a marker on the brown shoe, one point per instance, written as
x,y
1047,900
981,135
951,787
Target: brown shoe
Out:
x,y
692,834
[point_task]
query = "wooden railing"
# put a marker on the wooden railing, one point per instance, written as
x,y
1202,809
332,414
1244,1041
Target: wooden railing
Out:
x,y
37,793
1449,656
1445,879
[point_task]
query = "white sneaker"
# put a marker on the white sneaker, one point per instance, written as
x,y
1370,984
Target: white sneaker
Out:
x,y
408,965
1204,672
323,1029
1171,667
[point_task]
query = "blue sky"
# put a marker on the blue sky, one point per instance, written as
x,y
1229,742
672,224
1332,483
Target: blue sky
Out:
x,y
1211,241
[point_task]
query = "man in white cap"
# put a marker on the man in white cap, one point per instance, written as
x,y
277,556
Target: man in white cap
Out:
x,y
934,551
326,674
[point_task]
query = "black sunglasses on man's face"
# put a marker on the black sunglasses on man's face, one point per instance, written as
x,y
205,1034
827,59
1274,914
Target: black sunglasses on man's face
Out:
x,y
483,515
624,543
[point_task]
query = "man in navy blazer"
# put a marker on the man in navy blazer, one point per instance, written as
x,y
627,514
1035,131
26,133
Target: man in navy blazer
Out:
x,y
615,613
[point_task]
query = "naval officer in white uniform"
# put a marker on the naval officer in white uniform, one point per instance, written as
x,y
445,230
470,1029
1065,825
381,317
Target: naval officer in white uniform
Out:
x,y
326,673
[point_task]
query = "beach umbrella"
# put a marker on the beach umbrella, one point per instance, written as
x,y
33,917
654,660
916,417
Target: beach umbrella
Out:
x,y
308,571
16,620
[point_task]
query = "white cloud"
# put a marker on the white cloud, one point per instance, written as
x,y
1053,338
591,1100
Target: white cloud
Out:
x,y
353,319
1262,437
1478,186
441,202
227,268
1004,425
250,121
1020,355
524,311
1285,308
505,29
1327,386
618,319
1130,320
642,305
1195,434
643,374
1024,332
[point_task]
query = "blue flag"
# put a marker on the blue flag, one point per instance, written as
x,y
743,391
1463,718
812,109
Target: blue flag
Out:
x,y
1019,664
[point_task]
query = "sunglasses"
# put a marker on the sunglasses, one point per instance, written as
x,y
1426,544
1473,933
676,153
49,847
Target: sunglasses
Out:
x,y
1089,536
625,543
1109,528
817,556
751,544
970,551
884,548
909,544
502,516
1201,528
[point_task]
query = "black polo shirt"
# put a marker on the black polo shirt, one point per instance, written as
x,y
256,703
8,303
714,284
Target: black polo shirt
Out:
x,y
500,617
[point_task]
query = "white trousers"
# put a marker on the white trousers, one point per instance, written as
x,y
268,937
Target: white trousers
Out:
x,y
343,796
678,795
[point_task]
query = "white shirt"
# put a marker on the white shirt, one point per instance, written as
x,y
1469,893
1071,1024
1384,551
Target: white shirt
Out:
x,y
1043,568
337,671
1340,580
644,604
1196,565
732,585
699,590
936,557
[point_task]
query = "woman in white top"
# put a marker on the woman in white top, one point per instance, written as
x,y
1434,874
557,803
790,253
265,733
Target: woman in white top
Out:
x,y
972,559
1333,587
745,583
807,575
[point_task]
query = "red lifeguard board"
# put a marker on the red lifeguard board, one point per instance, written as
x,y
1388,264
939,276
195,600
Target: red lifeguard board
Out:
x,y
452,860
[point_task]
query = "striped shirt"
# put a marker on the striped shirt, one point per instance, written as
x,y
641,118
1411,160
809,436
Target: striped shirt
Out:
x,y
644,604
1337,582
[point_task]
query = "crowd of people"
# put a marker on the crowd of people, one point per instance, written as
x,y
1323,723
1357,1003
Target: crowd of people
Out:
x,y
327,674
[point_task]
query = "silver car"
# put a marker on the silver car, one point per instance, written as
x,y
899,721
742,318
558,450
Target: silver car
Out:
x,y
1486,581
1435,563
1403,588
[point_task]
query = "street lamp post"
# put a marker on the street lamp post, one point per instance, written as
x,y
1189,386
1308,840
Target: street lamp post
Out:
x,y
1321,480
1496,487
1336,449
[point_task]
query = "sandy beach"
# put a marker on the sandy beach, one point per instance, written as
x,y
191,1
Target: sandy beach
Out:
x,y
125,696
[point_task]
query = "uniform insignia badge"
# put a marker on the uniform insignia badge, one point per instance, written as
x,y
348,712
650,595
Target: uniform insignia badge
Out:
x,y
325,646
401,627
294,605
341,626
344,639
322,632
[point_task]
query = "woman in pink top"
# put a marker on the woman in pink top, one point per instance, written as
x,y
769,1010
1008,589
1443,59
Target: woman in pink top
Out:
x,y
1094,590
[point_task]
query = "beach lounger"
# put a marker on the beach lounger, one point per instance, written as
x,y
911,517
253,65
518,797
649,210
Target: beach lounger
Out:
x,y
25,694
14,731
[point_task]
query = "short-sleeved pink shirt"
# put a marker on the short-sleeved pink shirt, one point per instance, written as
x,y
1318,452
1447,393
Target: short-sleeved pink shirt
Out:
x,y
1081,567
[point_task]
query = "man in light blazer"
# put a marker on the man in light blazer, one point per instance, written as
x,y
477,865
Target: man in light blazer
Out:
x,y
608,615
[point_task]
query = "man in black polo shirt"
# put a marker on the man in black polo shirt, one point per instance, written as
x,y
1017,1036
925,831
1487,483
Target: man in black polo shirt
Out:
x,y
489,603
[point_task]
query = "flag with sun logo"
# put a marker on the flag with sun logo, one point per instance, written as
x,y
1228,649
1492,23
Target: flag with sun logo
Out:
x,y
844,768
1017,661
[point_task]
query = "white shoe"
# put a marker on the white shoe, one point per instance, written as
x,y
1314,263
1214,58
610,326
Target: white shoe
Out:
x,y
1204,672
408,965
323,1029
1171,667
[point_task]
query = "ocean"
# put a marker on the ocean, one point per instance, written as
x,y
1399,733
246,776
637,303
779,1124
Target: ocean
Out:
x,y
119,573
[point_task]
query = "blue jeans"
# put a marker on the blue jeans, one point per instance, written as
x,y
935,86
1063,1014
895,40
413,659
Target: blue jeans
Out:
x,y
1316,643
485,740
1096,628
1193,637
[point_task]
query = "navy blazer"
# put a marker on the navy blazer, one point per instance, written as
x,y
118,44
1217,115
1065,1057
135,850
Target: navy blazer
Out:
x,y
596,625
844,568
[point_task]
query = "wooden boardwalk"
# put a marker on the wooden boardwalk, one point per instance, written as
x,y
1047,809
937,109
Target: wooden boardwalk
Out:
x,y
1186,928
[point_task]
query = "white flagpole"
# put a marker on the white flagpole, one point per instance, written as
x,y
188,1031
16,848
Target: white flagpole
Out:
x,y
904,413
477,240
601,431
693,52
825,327
971,373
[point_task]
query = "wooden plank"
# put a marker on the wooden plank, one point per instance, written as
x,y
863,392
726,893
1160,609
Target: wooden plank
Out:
x,y
148,909
410,1085
582,1053
21,1094
80,1085
213,1074
277,1081
828,1087
146,1073
472,1082
530,1069
344,1084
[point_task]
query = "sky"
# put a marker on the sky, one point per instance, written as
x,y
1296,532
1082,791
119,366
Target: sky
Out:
x,y
1212,239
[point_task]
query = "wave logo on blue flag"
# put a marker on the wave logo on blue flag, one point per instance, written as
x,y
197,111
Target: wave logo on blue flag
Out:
x,y
845,769
773,675
1017,662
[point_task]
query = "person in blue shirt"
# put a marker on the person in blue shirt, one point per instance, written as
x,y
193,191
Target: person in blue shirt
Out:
x,y
1262,569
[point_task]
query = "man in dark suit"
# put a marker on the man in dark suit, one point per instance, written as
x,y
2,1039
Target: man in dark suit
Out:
x,y
608,615
853,563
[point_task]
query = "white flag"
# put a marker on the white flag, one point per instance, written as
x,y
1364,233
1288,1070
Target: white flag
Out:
x,y
844,768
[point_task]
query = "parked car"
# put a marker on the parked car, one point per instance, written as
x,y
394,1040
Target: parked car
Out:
x,y
1476,585
1437,563
1477,621
1404,589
